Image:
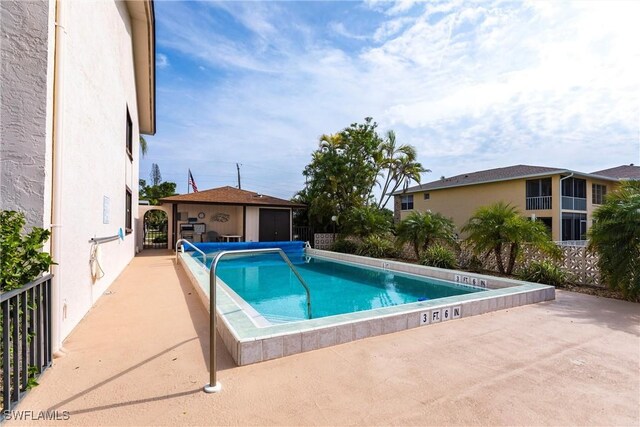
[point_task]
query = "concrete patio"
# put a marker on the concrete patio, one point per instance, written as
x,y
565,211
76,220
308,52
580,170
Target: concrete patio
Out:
x,y
140,357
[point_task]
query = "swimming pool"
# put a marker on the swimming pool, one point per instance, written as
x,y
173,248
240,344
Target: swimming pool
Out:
x,y
267,283
392,302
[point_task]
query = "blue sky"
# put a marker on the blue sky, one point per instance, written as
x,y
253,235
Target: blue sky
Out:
x,y
472,85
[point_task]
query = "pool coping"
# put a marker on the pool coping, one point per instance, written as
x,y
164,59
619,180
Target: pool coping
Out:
x,y
248,343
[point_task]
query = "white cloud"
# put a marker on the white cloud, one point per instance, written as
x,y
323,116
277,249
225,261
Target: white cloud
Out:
x,y
472,85
162,61
340,29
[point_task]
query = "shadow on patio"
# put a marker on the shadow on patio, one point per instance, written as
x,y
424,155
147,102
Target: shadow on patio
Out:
x,y
140,357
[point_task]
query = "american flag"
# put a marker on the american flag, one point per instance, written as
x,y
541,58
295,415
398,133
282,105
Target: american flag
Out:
x,y
192,182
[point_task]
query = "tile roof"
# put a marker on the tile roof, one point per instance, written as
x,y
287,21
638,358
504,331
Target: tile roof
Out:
x,y
231,196
489,175
621,172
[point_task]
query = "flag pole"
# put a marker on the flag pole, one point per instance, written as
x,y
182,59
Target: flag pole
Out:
x,y
188,181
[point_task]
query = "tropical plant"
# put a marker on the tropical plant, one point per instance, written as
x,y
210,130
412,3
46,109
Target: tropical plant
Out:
x,y
343,171
439,256
21,256
367,220
615,236
143,146
377,247
421,229
158,189
496,227
545,272
344,246
399,165
346,168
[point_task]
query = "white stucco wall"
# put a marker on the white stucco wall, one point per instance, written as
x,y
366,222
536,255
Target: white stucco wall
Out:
x,y
99,85
23,109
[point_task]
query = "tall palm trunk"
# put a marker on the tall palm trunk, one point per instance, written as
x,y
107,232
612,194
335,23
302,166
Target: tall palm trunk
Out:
x,y
498,251
513,254
416,247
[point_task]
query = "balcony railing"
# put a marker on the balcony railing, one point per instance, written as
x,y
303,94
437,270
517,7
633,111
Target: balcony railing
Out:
x,y
538,203
574,203
25,346
580,243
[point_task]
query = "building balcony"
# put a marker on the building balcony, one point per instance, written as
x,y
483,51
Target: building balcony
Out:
x,y
538,203
574,203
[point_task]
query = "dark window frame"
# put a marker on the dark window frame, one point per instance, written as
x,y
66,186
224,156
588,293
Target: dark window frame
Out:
x,y
408,204
129,136
574,187
427,196
128,210
598,194
574,226
540,185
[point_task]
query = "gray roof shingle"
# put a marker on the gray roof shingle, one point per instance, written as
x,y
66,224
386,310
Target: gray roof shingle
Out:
x,y
230,196
621,172
489,175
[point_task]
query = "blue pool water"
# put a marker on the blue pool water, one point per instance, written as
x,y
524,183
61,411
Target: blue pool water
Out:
x,y
271,288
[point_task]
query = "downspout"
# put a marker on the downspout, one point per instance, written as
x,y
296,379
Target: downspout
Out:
x,y
56,185
560,206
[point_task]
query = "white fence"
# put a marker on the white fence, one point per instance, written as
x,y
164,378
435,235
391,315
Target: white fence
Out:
x,y
580,264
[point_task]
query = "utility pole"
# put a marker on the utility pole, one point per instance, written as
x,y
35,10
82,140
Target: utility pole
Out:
x,y
239,185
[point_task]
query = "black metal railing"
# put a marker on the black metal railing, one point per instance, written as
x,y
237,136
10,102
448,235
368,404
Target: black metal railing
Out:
x,y
155,238
25,349
303,234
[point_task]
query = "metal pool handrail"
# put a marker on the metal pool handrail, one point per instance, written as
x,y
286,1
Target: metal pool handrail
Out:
x,y
204,256
214,386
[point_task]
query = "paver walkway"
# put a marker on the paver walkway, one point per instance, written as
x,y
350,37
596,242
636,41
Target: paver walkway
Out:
x,y
140,358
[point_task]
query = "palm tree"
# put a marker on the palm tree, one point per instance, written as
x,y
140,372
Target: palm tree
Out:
x,y
495,227
421,229
143,146
401,165
615,236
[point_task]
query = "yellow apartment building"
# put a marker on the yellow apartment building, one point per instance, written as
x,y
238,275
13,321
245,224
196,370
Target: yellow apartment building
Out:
x,y
564,200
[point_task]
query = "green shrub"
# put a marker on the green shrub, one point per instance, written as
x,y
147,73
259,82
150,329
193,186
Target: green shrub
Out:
x,y
160,239
544,272
439,256
344,246
377,247
21,256
366,221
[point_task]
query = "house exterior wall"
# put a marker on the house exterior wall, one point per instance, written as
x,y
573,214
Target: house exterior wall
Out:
x,y
591,207
459,203
99,85
233,226
24,126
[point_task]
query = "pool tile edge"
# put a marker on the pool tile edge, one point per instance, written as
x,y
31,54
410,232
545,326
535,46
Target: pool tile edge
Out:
x,y
281,341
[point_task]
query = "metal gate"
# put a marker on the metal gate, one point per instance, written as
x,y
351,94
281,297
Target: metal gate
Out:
x,y
303,234
156,226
